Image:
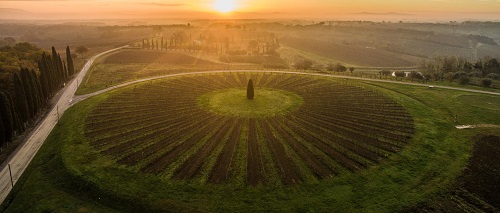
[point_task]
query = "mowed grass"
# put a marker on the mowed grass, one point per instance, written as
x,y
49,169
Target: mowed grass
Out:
x,y
481,101
267,102
68,175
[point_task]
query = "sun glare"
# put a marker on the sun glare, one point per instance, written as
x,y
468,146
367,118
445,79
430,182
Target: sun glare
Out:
x,y
224,6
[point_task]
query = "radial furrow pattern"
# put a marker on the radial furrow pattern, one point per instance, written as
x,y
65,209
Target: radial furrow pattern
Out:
x,y
160,128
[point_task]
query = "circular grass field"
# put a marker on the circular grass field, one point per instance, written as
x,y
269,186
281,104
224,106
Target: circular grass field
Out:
x,y
233,102
203,129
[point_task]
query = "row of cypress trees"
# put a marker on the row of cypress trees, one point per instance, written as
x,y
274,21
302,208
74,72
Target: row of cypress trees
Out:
x,y
31,91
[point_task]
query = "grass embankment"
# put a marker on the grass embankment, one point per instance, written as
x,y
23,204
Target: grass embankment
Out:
x,y
68,175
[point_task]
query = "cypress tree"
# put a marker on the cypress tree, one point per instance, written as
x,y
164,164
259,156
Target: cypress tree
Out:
x,y
7,119
56,69
71,66
3,136
161,43
38,86
29,92
17,124
44,79
53,77
250,92
62,72
65,71
36,90
55,65
21,104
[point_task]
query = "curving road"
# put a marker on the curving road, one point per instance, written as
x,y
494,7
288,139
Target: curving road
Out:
x,y
21,159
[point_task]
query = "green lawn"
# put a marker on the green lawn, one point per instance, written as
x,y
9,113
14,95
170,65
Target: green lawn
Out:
x,y
67,175
266,103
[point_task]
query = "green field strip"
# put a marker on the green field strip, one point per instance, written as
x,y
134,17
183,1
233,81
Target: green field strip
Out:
x,y
179,149
254,164
353,127
310,167
103,127
316,146
178,132
351,160
289,172
351,142
151,136
192,165
130,132
263,80
238,166
371,134
271,173
221,170
152,151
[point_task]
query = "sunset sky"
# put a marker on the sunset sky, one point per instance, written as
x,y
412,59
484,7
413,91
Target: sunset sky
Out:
x,y
228,8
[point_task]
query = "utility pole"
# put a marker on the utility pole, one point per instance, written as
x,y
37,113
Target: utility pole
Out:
x,y
11,181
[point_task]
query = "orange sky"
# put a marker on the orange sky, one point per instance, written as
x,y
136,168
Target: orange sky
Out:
x,y
96,9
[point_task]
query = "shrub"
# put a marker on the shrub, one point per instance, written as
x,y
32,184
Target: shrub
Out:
x,y
399,74
475,74
385,72
416,75
486,82
464,80
493,76
303,64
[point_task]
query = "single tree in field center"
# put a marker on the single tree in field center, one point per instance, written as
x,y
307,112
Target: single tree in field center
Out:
x,y
250,92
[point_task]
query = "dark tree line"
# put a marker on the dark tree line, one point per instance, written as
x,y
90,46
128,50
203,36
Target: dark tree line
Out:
x,y
482,72
26,91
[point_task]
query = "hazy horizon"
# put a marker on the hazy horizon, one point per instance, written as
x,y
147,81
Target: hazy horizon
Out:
x,y
428,10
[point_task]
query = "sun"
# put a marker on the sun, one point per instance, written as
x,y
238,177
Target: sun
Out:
x,y
225,6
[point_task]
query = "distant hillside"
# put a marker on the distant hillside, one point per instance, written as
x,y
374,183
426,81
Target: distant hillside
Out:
x,y
11,13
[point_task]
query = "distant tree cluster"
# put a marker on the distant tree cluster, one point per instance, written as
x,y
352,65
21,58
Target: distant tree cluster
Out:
x,y
482,72
385,72
337,67
264,43
303,64
26,90
481,39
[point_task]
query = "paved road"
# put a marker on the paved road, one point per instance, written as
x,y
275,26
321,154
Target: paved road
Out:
x,y
20,160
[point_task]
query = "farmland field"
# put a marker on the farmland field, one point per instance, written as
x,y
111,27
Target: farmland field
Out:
x,y
339,128
168,161
151,56
129,65
360,56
